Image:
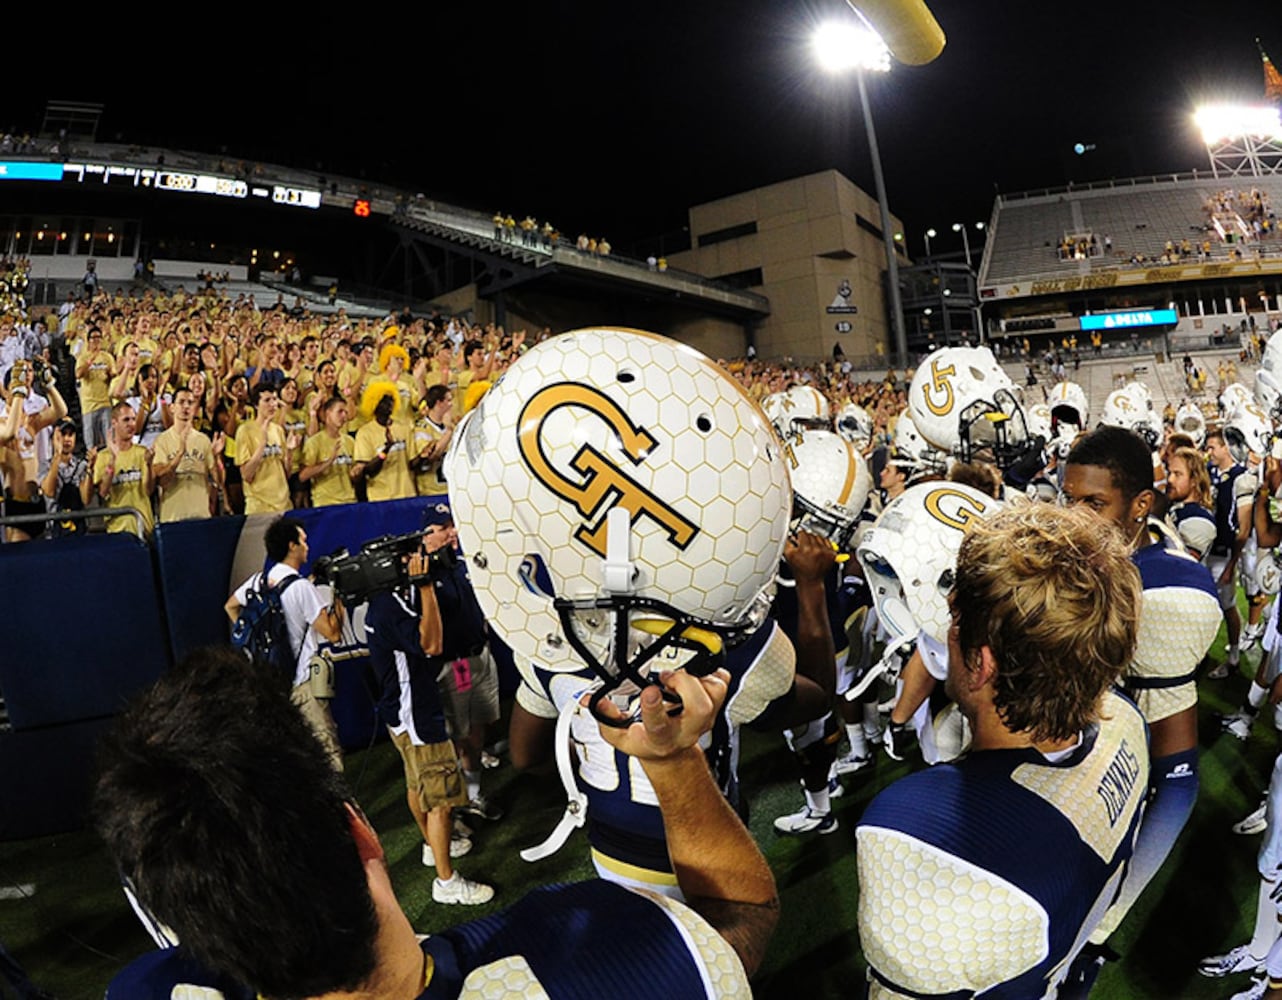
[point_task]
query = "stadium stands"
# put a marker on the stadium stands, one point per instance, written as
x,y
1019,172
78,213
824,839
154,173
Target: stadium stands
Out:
x,y
1139,217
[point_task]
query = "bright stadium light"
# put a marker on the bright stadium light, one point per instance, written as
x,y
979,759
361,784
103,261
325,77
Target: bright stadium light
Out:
x,y
1226,121
844,45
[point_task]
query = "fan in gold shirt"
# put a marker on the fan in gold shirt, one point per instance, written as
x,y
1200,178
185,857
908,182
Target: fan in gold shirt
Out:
x,y
382,446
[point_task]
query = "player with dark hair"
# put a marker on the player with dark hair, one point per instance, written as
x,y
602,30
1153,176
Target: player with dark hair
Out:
x,y
1110,472
221,814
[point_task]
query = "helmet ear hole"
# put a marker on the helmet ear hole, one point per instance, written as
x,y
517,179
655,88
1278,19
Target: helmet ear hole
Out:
x,y
976,374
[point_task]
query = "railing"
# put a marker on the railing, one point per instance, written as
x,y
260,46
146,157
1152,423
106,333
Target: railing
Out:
x,y
79,515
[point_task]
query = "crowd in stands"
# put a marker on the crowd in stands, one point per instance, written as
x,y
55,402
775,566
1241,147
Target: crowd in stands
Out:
x,y
195,404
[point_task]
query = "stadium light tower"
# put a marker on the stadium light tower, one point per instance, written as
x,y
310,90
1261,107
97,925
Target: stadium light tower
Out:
x,y
841,46
960,227
1241,141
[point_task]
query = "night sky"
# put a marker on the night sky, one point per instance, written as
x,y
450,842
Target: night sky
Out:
x,y
613,118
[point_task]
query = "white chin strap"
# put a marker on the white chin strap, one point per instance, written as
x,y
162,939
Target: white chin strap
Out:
x,y
617,569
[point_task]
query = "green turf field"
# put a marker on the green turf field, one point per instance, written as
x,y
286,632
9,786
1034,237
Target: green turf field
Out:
x,y
74,929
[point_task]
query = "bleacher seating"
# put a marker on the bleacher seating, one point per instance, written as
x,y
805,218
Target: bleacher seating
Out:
x,y
1139,217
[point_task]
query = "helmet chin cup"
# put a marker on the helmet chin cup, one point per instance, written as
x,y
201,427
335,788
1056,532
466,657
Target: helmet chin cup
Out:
x,y
672,630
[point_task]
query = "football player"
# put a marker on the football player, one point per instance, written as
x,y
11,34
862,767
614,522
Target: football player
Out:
x,y
624,507
1011,853
1109,472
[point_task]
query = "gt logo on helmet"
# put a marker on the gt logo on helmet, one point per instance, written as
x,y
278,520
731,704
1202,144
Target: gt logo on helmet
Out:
x,y
939,383
604,484
965,512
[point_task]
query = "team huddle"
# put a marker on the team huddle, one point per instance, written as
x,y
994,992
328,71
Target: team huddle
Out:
x,y
669,562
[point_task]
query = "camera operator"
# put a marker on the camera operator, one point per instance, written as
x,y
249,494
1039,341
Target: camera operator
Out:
x,y
307,618
406,636
468,676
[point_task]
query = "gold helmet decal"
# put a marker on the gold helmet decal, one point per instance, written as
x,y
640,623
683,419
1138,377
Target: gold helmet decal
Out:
x,y
603,484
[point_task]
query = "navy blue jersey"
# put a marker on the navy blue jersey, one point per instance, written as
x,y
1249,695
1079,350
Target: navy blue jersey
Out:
x,y
559,941
624,822
409,698
1010,860
1226,524
845,595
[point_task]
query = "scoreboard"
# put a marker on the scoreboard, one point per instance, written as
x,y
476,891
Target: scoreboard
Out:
x,y
159,178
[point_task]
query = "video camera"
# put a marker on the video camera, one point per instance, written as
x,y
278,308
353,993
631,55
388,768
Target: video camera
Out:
x,y
380,565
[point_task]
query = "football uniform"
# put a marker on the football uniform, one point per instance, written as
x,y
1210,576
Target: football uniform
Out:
x,y
1195,526
1179,619
544,946
624,825
985,875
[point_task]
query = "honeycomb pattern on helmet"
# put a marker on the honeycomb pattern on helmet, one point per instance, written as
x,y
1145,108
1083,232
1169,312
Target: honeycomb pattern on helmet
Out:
x,y
917,538
599,418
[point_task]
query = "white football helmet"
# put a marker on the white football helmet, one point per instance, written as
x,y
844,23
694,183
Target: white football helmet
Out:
x,y
855,425
1038,419
612,478
1268,392
795,409
809,407
1248,430
1122,409
1068,406
910,555
963,403
1235,394
830,484
1139,392
912,452
1268,574
1268,380
1190,420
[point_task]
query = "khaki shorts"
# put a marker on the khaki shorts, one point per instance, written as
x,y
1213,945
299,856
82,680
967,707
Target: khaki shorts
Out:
x,y
431,772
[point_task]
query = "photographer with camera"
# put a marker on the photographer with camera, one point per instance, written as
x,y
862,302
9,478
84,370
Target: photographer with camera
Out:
x,y
308,619
468,676
406,637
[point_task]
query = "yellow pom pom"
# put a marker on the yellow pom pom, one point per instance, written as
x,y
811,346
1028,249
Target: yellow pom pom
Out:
x,y
374,394
390,351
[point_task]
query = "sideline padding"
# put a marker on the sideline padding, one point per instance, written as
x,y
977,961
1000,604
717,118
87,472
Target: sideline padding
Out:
x,y
194,562
82,628
94,619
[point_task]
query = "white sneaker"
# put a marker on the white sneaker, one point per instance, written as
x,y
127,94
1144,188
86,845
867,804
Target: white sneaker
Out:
x,y
1239,959
1251,634
806,822
1255,991
851,762
1218,672
461,890
461,829
1256,822
835,789
458,847
1238,724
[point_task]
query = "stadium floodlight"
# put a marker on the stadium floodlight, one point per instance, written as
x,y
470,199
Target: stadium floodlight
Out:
x,y
1218,122
854,45
1242,140
846,45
